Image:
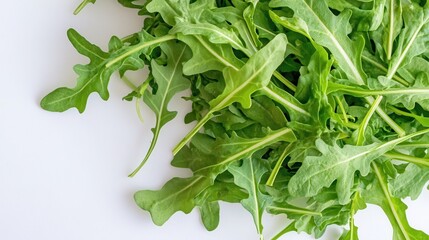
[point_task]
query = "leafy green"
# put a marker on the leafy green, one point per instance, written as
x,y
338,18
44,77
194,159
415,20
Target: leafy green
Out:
x,y
248,176
169,80
308,108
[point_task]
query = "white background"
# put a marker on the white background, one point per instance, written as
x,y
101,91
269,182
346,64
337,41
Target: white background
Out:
x,y
64,176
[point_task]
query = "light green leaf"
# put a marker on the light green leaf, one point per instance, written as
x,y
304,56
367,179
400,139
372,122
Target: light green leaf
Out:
x,y
210,215
207,56
366,16
339,164
357,204
178,194
378,193
212,32
223,152
413,39
411,182
95,76
172,11
170,81
255,74
331,32
241,83
248,176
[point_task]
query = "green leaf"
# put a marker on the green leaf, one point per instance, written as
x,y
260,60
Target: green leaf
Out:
x,y
241,83
248,176
339,164
411,182
357,204
213,33
170,81
208,56
331,32
366,15
255,74
205,160
130,3
210,215
379,194
413,39
178,194
170,10
95,76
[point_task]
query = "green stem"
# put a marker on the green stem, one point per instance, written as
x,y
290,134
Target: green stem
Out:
x,y
301,211
391,30
286,82
269,92
388,197
342,109
407,158
392,91
416,145
138,107
148,153
390,122
278,165
363,126
194,131
82,5
288,228
129,83
139,47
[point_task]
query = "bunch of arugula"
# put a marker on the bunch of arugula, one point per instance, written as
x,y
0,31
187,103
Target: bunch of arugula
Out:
x,y
309,108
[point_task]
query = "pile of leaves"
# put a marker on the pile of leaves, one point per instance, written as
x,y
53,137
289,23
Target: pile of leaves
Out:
x,y
309,108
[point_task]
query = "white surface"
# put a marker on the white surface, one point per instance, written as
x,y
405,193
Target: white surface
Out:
x,y
64,176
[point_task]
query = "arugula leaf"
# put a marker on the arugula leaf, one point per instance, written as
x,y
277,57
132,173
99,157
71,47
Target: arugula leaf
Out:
x,y
330,31
339,164
169,81
241,83
248,176
379,194
357,204
178,194
411,182
284,93
95,76
413,39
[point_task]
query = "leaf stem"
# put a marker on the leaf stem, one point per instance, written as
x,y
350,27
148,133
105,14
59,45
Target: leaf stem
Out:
x,y
148,153
286,82
388,197
288,228
294,210
396,64
287,104
392,91
391,30
407,158
363,126
279,163
129,83
82,5
342,109
194,130
139,47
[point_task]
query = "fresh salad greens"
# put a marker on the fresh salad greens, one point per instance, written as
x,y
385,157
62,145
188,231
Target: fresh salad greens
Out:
x,y
309,108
